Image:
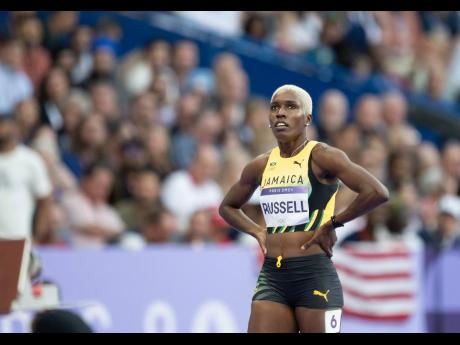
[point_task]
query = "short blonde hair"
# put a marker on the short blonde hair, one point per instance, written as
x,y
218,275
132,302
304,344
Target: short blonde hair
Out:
x,y
305,98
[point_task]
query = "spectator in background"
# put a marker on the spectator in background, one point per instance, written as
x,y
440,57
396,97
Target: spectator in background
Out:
x,y
185,59
186,191
66,59
104,100
27,116
14,21
107,26
255,28
139,68
25,187
298,31
233,162
224,64
104,58
92,220
144,111
255,133
157,144
46,144
54,89
199,229
232,91
402,166
144,188
447,233
167,94
429,170
58,29
81,46
159,226
350,141
451,161
75,107
37,60
88,145
368,116
182,142
15,85
207,128
332,115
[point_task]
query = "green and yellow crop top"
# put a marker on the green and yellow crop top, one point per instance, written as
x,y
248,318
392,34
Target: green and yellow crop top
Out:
x,y
292,199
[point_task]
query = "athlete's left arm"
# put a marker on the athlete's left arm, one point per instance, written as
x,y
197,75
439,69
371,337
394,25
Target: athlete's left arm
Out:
x,y
371,192
335,164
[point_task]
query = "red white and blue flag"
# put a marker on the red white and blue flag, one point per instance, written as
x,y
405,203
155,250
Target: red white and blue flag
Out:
x,y
378,280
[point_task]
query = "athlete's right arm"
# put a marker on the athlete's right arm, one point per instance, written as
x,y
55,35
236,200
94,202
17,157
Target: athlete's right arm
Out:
x,y
239,194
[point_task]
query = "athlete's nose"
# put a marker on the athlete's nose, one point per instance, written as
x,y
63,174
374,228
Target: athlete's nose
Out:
x,y
280,114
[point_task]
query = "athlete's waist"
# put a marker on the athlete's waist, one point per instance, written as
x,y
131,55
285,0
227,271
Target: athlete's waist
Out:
x,y
315,262
303,258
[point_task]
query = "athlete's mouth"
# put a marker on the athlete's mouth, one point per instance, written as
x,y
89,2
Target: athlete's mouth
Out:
x,y
281,124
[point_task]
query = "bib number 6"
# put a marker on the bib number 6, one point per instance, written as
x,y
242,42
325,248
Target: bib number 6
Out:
x,y
332,320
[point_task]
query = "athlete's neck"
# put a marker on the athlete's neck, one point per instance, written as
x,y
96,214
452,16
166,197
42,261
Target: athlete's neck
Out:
x,y
291,148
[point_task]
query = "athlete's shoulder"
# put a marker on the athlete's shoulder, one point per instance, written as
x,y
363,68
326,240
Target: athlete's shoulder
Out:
x,y
328,157
321,148
255,168
260,161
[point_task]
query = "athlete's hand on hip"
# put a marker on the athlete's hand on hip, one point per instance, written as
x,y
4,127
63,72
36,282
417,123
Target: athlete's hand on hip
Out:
x,y
325,237
261,237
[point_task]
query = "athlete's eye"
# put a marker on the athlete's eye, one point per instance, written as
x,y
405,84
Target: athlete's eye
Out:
x,y
273,107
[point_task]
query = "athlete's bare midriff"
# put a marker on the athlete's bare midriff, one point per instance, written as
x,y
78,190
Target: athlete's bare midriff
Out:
x,y
288,245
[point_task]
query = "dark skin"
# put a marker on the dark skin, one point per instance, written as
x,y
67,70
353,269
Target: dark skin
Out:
x,y
329,165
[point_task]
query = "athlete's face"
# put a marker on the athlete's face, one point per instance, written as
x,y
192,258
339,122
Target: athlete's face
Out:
x,y
287,116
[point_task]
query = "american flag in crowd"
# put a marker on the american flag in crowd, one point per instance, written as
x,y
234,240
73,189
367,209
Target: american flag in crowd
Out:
x,y
378,280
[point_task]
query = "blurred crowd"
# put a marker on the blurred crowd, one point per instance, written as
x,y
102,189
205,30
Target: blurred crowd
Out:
x,y
418,50
141,148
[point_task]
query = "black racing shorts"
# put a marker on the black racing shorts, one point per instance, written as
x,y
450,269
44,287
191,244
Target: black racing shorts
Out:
x,y
305,281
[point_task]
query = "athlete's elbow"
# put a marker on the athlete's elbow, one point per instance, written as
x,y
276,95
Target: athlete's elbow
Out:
x,y
381,195
223,209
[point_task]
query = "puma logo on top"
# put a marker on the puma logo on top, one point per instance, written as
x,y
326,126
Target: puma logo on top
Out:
x,y
299,164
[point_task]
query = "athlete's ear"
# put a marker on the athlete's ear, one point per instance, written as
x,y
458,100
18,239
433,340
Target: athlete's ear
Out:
x,y
307,119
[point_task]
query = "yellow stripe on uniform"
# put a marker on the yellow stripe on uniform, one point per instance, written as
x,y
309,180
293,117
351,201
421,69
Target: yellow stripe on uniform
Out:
x,y
284,229
312,220
329,209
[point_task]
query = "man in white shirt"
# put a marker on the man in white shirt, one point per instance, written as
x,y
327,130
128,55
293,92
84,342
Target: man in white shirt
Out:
x,y
186,191
25,187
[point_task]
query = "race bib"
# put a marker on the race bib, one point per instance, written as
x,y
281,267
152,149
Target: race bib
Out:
x,y
332,319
